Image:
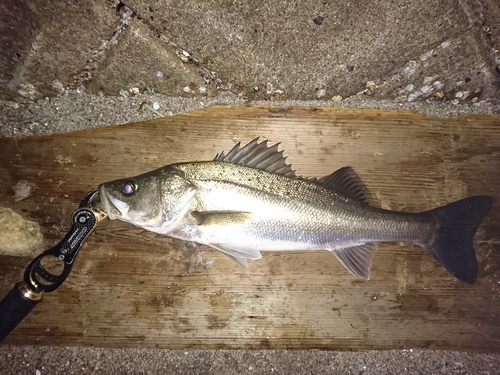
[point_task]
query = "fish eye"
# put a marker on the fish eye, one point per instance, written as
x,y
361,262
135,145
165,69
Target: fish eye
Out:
x,y
129,188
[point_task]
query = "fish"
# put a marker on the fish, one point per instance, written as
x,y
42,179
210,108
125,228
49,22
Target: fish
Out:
x,y
250,201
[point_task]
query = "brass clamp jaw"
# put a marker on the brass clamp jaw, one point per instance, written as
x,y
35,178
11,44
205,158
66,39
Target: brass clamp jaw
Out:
x,y
37,279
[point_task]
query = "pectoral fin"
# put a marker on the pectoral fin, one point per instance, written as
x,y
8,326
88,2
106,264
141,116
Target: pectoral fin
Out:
x,y
238,253
357,259
206,218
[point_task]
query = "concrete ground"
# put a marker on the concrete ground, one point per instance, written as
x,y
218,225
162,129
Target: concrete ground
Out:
x,y
68,65
53,361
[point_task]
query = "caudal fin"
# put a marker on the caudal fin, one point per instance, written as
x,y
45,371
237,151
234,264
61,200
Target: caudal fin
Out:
x,y
452,245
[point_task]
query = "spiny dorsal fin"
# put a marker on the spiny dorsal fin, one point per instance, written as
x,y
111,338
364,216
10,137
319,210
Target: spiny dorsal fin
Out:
x,y
347,182
260,156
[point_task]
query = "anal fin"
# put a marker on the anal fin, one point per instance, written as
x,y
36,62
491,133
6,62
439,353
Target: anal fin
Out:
x,y
356,259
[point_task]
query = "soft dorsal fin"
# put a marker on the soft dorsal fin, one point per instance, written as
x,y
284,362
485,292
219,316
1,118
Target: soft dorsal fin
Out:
x,y
260,156
347,182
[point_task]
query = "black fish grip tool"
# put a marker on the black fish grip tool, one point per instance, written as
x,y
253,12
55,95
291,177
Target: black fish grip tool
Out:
x,y
25,295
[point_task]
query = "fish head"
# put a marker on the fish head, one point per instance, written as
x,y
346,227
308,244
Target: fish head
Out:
x,y
135,200
156,201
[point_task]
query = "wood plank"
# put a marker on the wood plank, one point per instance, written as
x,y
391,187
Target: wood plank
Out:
x,y
132,288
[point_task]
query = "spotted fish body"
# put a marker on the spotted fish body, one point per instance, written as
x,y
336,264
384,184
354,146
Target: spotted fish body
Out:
x,y
250,201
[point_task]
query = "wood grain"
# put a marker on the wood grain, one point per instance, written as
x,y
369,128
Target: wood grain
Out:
x,y
132,288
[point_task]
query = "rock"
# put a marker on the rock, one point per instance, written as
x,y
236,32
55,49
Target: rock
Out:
x,y
18,236
318,20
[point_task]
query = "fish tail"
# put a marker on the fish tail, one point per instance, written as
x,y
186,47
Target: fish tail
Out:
x,y
452,243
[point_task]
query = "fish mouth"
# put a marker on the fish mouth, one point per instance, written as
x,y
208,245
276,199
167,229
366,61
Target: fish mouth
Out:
x,y
111,204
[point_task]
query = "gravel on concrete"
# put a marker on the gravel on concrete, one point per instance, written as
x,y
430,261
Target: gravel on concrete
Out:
x,y
78,109
53,361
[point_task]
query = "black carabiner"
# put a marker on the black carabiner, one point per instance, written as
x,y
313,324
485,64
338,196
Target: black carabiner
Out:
x,y
36,277
25,295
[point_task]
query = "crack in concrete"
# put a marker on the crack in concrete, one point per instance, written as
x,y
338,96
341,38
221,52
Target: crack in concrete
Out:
x,y
98,55
185,56
474,11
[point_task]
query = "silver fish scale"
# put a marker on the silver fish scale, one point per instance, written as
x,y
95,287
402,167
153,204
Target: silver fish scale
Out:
x,y
290,213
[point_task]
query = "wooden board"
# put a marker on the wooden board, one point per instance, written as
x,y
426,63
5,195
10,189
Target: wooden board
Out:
x,y
132,288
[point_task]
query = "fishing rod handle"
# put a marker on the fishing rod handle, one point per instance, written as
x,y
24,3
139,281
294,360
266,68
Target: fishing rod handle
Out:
x,y
15,306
